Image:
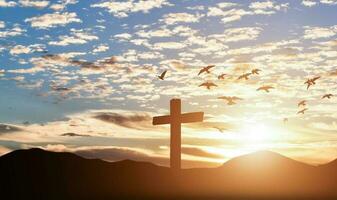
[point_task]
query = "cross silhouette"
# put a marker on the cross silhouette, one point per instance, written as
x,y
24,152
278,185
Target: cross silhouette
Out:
x,y
175,119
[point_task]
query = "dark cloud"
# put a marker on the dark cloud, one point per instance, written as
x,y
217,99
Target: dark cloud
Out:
x,y
333,73
135,121
287,51
97,65
74,135
194,151
4,128
60,89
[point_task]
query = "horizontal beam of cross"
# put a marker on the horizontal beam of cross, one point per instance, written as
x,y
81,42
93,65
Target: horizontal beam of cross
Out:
x,y
184,118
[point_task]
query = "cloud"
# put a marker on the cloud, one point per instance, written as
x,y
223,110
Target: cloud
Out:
x,y
2,24
34,3
4,3
309,3
267,7
74,135
155,33
227,4
99,65
53,20
333,73
238,34
123,36
175,64
4,129
168,45
76,37
319,32
20,49
325,126
330,2
15,31
101,48
235,14
122,9
174,18
61,5
228,15
129,120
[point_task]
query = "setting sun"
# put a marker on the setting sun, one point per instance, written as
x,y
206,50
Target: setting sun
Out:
x,y
258,133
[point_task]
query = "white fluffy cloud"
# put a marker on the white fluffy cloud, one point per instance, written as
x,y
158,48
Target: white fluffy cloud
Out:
x,y
319,32
309,3
15,31
34,3
101,48
123,36
331,2
19,49
239,34
4,3
231,12
228,15
123,8
52,20
173,18
76,37
267,7
61,5
169,45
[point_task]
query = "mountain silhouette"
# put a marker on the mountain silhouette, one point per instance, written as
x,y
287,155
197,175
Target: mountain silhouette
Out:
x,y
40,174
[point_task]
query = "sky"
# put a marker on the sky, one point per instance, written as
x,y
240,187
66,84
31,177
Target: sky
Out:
x,y
81,76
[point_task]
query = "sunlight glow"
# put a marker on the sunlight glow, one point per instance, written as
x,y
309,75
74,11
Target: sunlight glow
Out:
x,y
257,133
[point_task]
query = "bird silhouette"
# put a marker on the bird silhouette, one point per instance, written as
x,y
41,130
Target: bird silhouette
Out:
x,y
220,129
311,81
308,82
230,100
265,88
327,96
285,120
162,75
256,71
221,76
60,89
302,111
244,76
302,103
314,79
208,85
206,69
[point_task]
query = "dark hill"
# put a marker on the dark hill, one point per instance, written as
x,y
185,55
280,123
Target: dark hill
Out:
x,y
38,174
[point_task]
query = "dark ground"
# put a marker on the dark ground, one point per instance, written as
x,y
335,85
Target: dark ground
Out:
x,y
38,174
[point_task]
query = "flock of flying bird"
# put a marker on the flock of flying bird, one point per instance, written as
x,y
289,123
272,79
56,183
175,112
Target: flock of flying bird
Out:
x,y
231,100
303,103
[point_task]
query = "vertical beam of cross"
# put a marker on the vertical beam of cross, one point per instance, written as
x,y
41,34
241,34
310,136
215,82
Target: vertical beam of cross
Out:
x,y
175,142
